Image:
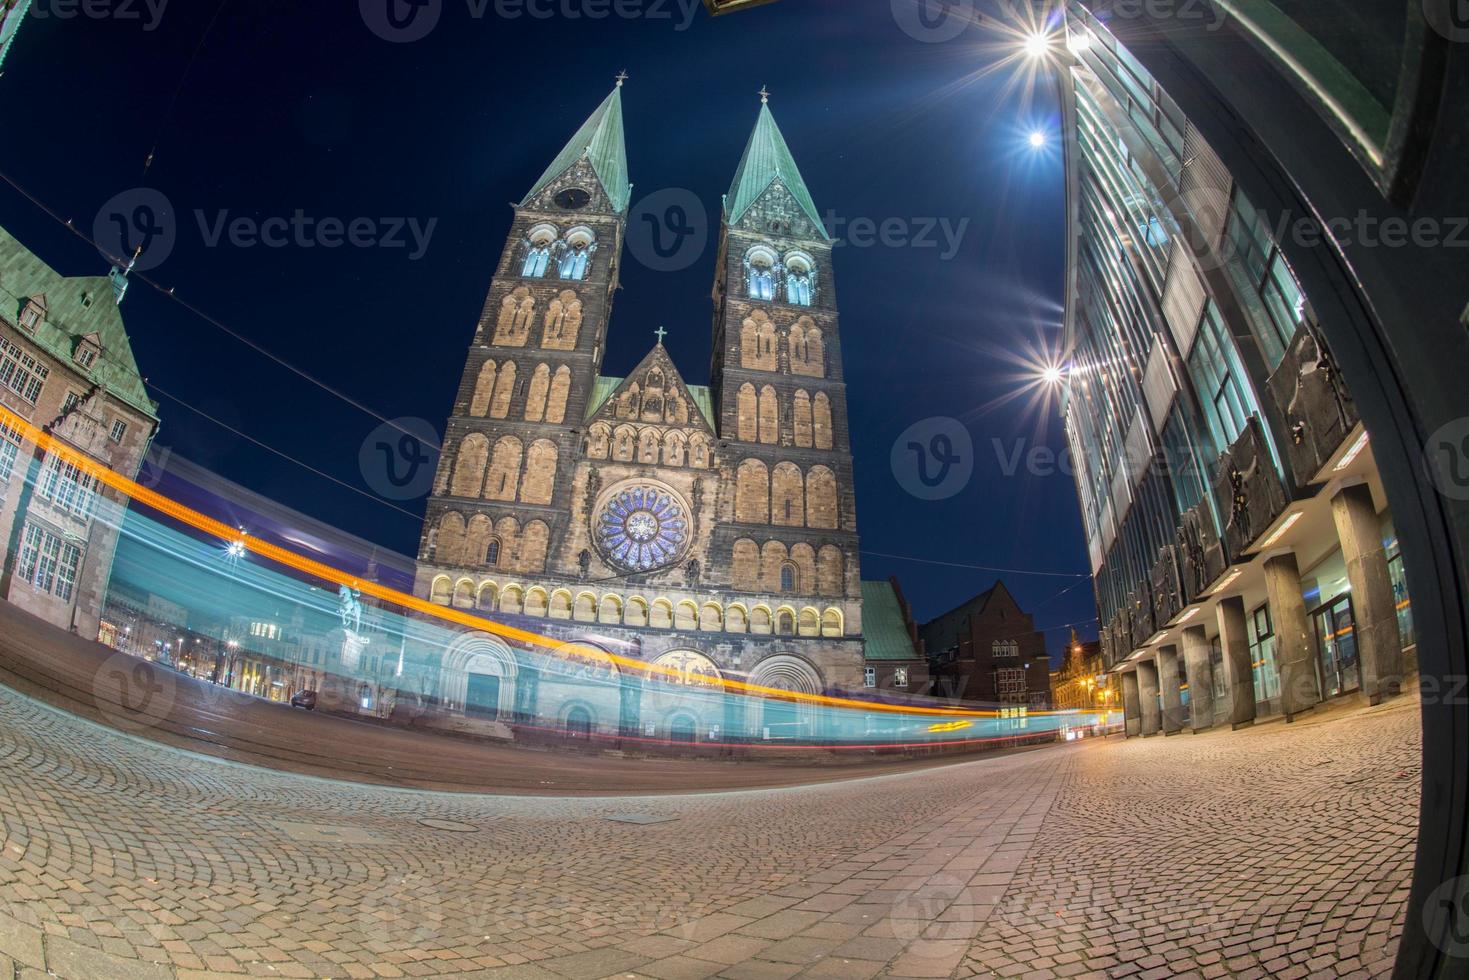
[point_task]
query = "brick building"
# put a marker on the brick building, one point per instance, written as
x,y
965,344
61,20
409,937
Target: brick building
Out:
x,y
988,650
65,366
708,528
1081,682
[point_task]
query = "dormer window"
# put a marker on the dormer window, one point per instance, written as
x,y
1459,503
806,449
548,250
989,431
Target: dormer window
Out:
x,y
32,314
86,354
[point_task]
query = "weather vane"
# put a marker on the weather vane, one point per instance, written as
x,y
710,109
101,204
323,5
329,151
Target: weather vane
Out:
x,y
764,95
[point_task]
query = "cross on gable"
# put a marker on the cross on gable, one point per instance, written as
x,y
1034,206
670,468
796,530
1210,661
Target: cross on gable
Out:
x,y
661,333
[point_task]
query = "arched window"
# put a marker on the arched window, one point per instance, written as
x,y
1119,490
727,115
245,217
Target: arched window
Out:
x,y
761,274
492,552
577,252
798,281
538,251
788,577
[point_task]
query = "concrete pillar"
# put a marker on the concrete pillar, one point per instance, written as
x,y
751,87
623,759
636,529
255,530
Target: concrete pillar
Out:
x,y
1239,674
1200,672
1170,677
1147,692
1295,651
1379,649
1131,705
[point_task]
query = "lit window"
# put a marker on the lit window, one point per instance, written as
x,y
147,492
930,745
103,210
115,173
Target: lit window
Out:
x,y
762,274
48,563
20,372
869,676
900,677
577,252
119,429
798,281
1220,380
538,251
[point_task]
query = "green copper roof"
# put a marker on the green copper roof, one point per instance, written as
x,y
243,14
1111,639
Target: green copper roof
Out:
x,y
76,306
766,160
884,634
600,140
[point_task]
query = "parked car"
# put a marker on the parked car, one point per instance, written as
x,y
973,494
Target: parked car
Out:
x,y
304,699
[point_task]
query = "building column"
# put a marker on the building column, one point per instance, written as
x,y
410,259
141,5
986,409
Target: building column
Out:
x,y
1199,669
1379,649
1239,673
1147,690
1170,678
1295,653
1131,704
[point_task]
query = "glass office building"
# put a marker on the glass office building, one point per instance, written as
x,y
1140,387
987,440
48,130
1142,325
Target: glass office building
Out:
x,y
1244,559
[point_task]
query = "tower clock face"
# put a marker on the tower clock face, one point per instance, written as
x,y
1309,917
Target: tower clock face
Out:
x,y
573,198
641,528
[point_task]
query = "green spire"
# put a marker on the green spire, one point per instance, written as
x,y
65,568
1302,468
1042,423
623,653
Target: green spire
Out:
x,y
600,140
766,160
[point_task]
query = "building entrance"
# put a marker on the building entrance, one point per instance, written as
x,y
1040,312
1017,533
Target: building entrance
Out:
x,y
1336,642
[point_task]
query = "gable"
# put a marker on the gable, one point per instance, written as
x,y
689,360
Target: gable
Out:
x,y
653,393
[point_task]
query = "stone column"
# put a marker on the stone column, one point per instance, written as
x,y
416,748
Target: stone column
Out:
x,y
1295,651
1147,690
1379,649
1131,705
1169,680
1239,673
1200,671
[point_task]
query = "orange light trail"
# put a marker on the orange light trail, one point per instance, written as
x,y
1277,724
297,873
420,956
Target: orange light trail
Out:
x,y
284,556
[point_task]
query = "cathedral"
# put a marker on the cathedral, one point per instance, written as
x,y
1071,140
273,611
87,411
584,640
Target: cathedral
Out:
x,y
709,530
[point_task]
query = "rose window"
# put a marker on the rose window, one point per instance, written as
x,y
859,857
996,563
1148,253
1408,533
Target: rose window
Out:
x,y
642,528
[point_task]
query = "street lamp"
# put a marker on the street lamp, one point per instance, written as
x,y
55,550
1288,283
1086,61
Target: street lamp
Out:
x,y
1037,44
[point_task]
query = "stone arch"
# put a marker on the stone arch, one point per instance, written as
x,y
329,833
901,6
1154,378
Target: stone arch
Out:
x,y
636,613
758,342
560,392
833,623
821,498
821,421
769,416
661,616
540,473
809,356
477,540
745,567
449,549
610,610
484,389
801,419
747,411
512,326
675,448
563,322
537,603
504,390
512,599
504,475
685,616
578,719
809,622
752,492
535,398
484,655
803,556
711,617
776,717
698,451
761,620
787,495
772,556
599,440
584,610
624,443
648,446
487,599
441,591
533,544
785,621
829,570
736,618
559,606
469,466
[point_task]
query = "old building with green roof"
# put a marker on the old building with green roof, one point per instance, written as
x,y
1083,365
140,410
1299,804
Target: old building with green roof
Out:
x,y
67,368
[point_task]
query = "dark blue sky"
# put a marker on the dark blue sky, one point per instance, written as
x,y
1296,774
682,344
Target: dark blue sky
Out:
x,y
300,106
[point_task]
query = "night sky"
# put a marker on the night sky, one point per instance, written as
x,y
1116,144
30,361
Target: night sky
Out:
x,y
301,106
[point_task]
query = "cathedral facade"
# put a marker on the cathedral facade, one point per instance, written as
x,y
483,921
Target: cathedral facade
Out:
x,y
711,530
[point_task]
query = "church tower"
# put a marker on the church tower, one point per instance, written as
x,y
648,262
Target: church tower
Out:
x,y
776,378
500,497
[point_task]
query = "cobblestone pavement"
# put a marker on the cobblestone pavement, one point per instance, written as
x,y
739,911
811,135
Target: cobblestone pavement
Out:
x,y
1277,851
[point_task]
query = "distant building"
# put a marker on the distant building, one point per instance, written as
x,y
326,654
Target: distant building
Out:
x,y
66,367
988,650
1081,683
894,651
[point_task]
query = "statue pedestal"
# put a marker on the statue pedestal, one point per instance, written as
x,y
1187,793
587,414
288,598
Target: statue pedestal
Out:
x,y
352,646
